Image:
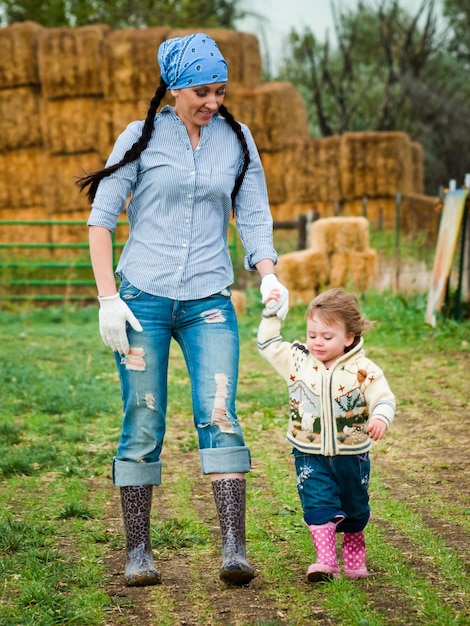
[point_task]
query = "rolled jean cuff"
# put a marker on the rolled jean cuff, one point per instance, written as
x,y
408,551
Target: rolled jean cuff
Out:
x,y
131,474
320,516
225,460
353,525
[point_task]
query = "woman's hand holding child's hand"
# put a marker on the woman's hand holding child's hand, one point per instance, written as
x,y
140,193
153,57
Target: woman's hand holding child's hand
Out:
x,y
275,296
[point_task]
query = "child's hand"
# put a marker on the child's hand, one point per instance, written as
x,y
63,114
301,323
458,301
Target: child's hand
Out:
x,y
274,294
376,429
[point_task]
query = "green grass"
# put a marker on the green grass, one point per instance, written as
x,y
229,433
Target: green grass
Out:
x,y
59,424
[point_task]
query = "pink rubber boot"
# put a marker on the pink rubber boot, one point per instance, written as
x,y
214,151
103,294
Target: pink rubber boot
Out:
x,y
354,555
326,566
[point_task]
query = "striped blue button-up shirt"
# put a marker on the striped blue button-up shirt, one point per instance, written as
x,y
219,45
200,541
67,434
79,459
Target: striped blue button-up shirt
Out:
x,y
180,208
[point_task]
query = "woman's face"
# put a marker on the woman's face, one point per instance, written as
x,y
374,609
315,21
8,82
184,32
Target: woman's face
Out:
x,y
196,106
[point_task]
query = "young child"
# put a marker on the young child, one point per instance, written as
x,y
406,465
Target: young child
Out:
x,y
339,402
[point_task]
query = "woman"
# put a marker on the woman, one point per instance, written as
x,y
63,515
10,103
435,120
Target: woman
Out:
x,y
185,169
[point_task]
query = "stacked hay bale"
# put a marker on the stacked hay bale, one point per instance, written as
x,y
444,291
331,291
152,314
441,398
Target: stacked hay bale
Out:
x,y
21,154
65,95
274,112
351,175
338,255
72,89
303,176
375,165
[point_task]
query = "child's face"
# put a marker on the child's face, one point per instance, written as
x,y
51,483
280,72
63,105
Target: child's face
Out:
x,y
326,341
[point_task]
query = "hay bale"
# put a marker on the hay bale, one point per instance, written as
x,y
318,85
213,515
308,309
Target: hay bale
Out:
x,y
417,161
71,125
324,209
240,50
60,192
358,269
273,165
289,211
20,118
274,112
18,55
375,164
116,115
381,212
304,171
70,233
304,273
339,234
239,302
130,70
312,170
23,233
70,61
292,210
21,173
251,62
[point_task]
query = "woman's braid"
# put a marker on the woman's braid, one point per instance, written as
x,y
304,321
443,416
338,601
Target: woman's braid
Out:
x,y
93,180
235,126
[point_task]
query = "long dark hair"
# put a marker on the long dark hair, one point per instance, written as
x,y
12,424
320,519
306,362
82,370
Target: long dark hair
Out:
x,y
91,181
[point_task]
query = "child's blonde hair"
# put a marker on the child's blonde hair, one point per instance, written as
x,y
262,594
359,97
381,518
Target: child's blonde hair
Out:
x,y
337,305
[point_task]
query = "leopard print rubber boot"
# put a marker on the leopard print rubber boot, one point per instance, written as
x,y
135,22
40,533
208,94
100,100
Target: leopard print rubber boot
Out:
x,y
230,500
136,504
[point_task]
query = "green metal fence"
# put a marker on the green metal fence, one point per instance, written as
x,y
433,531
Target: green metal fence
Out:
x,y
55,271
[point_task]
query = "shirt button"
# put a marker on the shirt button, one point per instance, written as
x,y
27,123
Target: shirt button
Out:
x,y
193,173
187,221
185,245
180,267
190,195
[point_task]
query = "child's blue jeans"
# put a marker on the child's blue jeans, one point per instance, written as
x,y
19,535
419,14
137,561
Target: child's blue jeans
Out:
x,y
334,486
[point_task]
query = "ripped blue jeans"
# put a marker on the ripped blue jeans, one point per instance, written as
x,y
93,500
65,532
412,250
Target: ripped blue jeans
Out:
x,y
207,333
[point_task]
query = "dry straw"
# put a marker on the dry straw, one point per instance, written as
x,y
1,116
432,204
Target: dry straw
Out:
x,y
304,273
18,55
274,112
70,60
338,255
21,180
339,234
71,125
358,269
375,164
129,69
24,130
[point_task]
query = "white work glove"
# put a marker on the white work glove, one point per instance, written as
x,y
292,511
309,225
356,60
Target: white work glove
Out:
x,y
113,315
280,306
